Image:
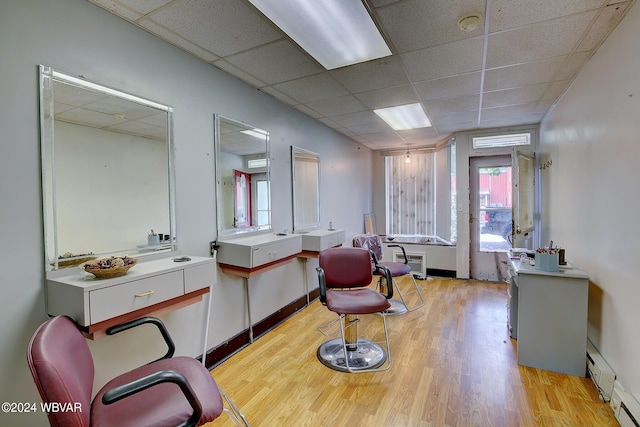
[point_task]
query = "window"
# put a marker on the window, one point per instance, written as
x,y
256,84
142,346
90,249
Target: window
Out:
x,y
411,194
496,141
420,194
262,201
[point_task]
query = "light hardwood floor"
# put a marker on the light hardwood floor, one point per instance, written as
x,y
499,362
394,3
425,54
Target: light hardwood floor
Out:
x,y
454,364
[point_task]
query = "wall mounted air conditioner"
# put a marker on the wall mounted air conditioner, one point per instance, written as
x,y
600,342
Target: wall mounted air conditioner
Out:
x,y
417,261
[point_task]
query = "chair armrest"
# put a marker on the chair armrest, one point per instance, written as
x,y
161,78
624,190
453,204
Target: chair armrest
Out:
x,y
322,285
171,347
404,253
388,278
374,258
166,376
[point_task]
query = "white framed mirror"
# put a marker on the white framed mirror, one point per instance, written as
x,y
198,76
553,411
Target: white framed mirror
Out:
x,y
243,188
305,178
107,171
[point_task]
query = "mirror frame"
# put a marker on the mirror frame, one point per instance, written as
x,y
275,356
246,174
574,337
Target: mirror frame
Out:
x,y
298,225
47,77
224,230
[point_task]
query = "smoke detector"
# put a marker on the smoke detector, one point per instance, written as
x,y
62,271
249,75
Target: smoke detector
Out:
x,y
469,22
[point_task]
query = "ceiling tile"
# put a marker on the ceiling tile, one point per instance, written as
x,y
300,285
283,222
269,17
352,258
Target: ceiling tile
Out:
x,y
312,88
125,12
515,96
459,57
223,27
545,40
276,62
335,106
178,41
509,14
454,118
419,24
555,89
238,73
357,118
371,75
605,23
388,97
523,74
439,107
447,87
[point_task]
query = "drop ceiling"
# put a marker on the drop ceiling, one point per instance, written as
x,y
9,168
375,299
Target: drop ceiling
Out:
x,y
508,71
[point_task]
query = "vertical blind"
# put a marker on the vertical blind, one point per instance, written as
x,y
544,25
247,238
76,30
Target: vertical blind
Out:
x,y
411,194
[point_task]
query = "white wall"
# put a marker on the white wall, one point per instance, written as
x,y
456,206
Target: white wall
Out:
x,y
590,192
77,37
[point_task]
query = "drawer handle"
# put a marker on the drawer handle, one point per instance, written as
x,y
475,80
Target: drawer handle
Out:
x,y
144,294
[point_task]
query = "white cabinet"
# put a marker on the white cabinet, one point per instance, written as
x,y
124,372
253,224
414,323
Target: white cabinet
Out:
x,y
319,240
258,250
160,284
552,318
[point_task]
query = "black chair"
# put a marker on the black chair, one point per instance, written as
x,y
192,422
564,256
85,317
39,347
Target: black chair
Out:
x,y
344,275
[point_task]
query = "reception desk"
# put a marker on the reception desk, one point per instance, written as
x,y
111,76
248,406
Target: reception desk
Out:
x,y
551,318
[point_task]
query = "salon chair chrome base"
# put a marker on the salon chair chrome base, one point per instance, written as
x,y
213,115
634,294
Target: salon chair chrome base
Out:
x,y
397,307
365,355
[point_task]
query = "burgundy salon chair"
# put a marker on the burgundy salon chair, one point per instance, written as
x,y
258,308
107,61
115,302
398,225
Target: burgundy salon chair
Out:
x,y
344,275
373,243
170,391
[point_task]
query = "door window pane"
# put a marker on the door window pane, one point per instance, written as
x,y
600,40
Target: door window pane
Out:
x,y
495,196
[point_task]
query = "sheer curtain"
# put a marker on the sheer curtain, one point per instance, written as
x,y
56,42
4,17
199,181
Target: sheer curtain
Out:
x,y
411,194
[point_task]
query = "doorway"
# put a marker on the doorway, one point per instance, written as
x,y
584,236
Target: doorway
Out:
x,y
491,219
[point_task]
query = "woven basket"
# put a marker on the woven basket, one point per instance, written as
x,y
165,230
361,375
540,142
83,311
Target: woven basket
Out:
x,y
107,273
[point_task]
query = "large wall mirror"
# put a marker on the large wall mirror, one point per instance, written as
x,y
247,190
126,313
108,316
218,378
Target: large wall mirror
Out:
x,y
107,171
242,177
305,177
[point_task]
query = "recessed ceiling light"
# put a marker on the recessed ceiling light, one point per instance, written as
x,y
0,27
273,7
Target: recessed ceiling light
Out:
x,y
410,116
336,33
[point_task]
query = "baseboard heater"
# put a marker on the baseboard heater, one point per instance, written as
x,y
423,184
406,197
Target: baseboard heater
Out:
x,y
600,372
628,412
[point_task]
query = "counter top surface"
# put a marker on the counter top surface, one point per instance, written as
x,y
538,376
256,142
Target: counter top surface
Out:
x,y
80,278
564,271
259,239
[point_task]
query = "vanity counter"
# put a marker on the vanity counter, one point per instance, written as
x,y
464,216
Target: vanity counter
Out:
x,y
155,286
245,255
314,242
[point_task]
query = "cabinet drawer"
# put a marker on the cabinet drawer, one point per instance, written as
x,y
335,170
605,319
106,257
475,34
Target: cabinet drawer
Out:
x,y
113,301
271,252
199,276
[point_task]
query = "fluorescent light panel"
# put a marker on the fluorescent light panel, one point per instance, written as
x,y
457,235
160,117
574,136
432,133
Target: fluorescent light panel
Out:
x,y
410,116
336,33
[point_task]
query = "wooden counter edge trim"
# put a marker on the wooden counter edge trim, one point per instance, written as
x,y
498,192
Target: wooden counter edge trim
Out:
x,y
246,272
97,330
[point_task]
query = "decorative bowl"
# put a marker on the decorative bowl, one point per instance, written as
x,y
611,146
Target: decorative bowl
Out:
x,y
107,268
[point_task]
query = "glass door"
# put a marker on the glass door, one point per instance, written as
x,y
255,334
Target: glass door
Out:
x,y
491,217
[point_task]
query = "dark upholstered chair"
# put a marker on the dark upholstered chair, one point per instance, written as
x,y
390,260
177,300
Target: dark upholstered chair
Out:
x,y
170,391
344,275
373,243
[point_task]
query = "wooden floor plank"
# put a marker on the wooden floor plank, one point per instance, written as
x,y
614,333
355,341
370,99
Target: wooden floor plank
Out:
x,y
454,364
